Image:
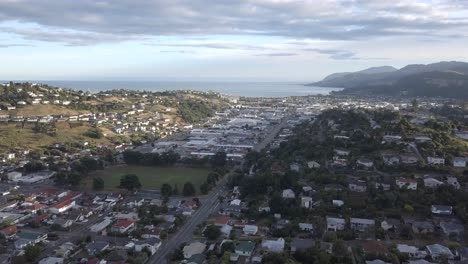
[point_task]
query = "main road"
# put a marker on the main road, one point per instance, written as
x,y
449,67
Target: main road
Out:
x,y
209,204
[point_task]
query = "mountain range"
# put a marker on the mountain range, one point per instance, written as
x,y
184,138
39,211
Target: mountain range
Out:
x,y
444,79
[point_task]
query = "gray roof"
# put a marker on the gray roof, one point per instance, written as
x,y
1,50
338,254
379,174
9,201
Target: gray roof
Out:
x,y
149,241
362,221
300,243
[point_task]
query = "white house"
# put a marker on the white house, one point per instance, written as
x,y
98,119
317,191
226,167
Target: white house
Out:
x,y
306,202
441,209
432,183
454,182
459,162
412,251
62,206
335,224
273,245
250,229
435,161
361,224
288,194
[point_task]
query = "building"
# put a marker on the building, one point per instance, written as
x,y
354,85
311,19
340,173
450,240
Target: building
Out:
x,y
437,251
361,224
432,183
123,226
306,202
301,244
151,244
276,246
435,161
412,251
245,248
459,162
335,224
441,209
9,232
406,183
52,260
358,186
288,194
96,247
250,229
62,206
193,249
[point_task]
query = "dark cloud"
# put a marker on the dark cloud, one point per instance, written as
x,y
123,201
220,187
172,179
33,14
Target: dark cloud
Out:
x,y
88,22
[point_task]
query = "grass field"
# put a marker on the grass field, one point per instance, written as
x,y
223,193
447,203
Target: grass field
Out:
x,y
152,177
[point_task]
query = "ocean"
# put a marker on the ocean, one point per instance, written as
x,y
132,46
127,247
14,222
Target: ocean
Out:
x,y
247,89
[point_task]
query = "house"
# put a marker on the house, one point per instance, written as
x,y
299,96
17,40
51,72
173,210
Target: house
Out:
x,y
390,224
382,185
155,232
437,251
29,238
306,227
462,253
391,160
306,202
222,220
273,245
408,159
391,138
193,249
441,209
96,247
295,167
365,163
435,161
376,261
459,162
250,229
406,183
288,194
412,251
358,186
226,230
197,259
422,227
14,175
313,165
151,244
9,232
338,203
335,224
65,249
51,260
245,248
453,181
361,224
301,244
342,152
432,183
63,223
122,226
452,230
62,206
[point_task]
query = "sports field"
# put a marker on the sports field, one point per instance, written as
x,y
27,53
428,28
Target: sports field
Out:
x,y
152,177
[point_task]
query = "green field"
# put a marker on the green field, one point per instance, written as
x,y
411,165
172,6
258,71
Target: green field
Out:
x,y
152,177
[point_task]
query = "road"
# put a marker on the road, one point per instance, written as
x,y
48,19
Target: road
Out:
x,y
209,204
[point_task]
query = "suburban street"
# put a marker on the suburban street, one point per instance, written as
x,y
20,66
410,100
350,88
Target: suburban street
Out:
x,y
209,204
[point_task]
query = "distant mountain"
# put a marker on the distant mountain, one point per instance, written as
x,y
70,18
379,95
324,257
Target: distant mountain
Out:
x,y
386,75
451,84
373,70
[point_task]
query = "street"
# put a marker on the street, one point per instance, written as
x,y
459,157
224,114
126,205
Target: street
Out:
x,y
209,205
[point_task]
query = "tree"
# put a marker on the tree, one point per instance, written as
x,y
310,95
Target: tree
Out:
x,y
219,159
34,166
32,252
339,248
212,232
166,190
189,189
204,188
130,182
98,184
175,190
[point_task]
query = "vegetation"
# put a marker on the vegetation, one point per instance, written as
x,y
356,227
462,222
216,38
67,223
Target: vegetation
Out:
x,y
189,189
130,182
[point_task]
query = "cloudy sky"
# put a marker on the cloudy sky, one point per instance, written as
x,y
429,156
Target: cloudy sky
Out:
x,y
284,40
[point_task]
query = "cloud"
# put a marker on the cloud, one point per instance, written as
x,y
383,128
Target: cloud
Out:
x,y
222,46
14,45
89,22
335,54
278,54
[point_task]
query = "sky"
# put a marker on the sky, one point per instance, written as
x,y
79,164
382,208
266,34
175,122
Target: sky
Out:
x,y
270,40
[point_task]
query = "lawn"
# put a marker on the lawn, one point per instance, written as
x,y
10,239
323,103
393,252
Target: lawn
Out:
x,y
153,177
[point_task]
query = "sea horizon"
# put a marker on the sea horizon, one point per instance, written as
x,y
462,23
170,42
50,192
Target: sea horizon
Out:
x,y
236,88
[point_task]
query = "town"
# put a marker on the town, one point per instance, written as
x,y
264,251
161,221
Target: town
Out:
x,y
191,177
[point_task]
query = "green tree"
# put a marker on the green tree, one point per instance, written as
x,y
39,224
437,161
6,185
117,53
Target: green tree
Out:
x,y
189,189
166,190
175,190
212,232
130,182
32,252
219,159
98,184
204,188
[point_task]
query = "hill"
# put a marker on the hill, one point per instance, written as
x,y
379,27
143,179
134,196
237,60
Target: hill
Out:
x,y
430,84
383,76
